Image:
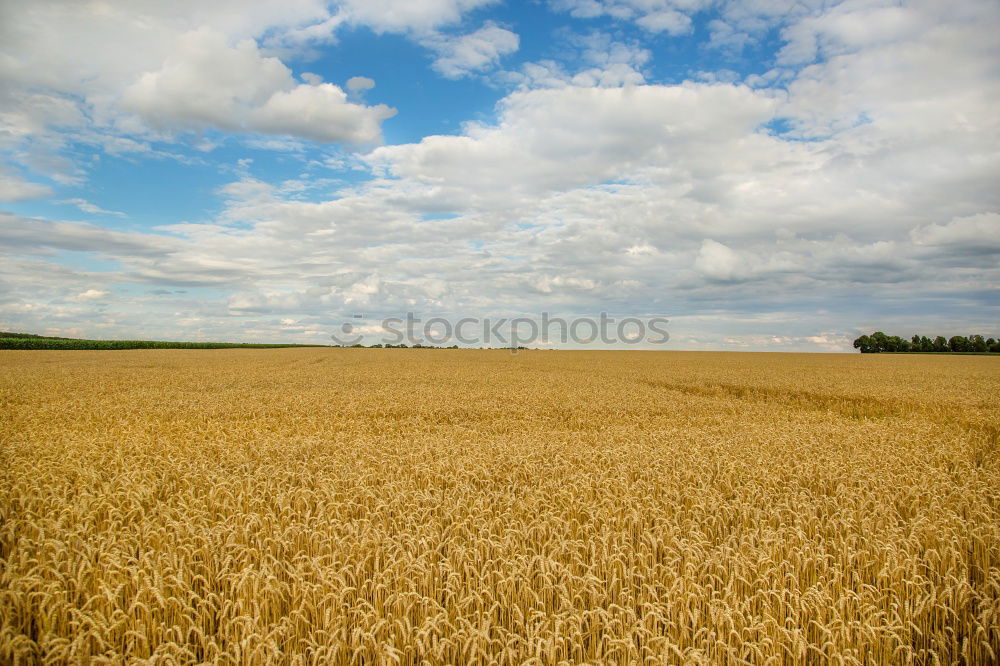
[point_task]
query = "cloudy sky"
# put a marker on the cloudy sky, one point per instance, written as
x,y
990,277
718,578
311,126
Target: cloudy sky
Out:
x,y
768,174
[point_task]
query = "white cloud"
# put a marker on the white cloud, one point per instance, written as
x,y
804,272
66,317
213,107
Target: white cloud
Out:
x,y
560,138
847,27
15,188
976,233
207,83
408,15
474,52
91,208
665,20
671,16
35,236
590,60
322,113
359,84
742,22
719,262
76,71
609,63
93,49
930,77
548,284
92,295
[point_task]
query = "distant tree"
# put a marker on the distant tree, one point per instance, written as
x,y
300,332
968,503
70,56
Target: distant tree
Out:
x,y
894,343
880,342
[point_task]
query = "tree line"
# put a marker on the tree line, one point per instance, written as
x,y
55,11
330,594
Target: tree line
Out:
x,y
880,342
28,341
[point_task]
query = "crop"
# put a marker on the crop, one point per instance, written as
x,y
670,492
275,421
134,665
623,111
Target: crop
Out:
x,y
359,506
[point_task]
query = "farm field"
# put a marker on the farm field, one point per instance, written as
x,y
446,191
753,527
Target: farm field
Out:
x,y
368,506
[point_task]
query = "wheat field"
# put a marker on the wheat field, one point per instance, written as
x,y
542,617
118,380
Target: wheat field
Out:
x,y
359,506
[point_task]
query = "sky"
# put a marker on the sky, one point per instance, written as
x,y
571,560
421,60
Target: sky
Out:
x,y
766,174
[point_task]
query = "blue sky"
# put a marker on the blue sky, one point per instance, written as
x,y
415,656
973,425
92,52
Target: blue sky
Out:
x,y
768,175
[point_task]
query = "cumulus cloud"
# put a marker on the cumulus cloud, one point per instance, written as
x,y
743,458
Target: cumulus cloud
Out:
x,y
474,52
594,59
408,15
115,74
95,51
554,139
320,112
978,234
866,78
359,84
671,16
719,262
208,83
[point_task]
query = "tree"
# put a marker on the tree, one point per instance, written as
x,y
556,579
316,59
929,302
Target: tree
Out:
x,y
894,343
880,342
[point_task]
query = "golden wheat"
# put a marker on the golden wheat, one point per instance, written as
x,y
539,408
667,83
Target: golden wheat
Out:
x,y
427,507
